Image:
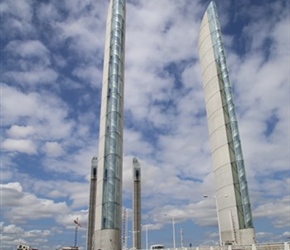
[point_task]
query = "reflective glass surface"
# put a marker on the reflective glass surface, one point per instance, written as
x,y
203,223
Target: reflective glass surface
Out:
x,y
245,218
112,185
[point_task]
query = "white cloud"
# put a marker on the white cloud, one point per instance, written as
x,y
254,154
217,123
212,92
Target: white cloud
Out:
x,y
88,74
16,131
53,149
36,76
12,185
135,144
68,220
266,235
263,95
79,163
12,229
76,192
14,200
45,112
277,210
13,235
37,233
19,16
28,49
81,32
32,62
48,13
22,10
22,146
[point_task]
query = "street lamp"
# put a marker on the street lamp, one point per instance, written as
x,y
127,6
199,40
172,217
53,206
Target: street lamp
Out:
x,y
146,234
134,240
217,211
173,229
146,227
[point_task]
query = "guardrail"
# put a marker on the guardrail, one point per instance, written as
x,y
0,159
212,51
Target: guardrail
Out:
x,y
260,246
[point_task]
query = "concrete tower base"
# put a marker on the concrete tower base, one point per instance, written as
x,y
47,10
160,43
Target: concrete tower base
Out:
x,y
238,237
108,239
247,236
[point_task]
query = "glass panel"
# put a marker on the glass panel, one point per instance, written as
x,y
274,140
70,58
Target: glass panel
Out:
x,y
113,140
236,155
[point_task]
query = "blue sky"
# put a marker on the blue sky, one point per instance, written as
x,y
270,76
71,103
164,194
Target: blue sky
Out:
x,y
51,73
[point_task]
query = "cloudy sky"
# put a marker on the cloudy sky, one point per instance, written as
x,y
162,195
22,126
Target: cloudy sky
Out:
x,y
51,74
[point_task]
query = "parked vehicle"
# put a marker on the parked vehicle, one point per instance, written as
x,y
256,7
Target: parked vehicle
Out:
x,y
153,247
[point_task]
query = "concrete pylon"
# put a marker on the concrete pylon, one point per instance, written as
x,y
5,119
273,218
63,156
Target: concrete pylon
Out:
x,y
136,232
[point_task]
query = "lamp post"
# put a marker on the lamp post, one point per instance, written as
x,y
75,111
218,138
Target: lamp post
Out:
x,y
146,227
173,229
217,210
146,234
134,239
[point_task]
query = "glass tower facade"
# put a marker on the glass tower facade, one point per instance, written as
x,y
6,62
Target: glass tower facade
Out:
x,y
110,158
112,164
235,217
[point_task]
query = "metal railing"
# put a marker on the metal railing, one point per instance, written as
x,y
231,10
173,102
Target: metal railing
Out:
x,y
258,246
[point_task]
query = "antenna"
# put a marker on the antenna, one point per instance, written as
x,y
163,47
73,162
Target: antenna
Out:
x,y
76,222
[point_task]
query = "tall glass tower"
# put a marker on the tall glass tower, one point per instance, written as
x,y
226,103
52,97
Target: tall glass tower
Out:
x,y
232,198
108,222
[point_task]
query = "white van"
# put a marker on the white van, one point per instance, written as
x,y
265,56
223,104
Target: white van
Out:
x,y
152,247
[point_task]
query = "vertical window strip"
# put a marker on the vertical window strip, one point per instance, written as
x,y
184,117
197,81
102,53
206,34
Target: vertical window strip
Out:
x,y
226,89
